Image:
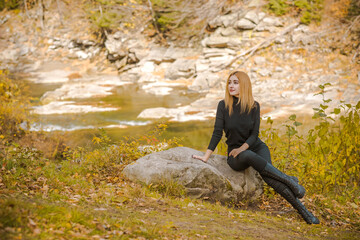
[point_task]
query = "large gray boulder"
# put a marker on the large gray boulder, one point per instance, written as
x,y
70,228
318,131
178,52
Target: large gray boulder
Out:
x,y
214,180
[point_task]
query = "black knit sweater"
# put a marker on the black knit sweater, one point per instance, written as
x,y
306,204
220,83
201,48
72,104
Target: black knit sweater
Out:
x,y
239,128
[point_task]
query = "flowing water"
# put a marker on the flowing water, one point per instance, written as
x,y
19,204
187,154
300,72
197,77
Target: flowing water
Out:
x,y
129,100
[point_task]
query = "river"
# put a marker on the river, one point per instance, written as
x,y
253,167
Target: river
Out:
x,y
128,100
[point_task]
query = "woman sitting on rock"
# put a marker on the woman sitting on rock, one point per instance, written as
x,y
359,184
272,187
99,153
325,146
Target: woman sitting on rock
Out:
x,y
239,116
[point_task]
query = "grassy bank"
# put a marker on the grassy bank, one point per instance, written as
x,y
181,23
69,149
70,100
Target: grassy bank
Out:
x,y
49,190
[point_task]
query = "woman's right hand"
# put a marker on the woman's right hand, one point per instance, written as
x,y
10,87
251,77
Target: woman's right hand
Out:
x,y
202,158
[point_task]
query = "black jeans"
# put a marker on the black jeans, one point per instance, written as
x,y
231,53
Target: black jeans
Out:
x,y
257,157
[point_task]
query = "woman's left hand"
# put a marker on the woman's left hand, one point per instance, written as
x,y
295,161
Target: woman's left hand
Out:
x,y
237,151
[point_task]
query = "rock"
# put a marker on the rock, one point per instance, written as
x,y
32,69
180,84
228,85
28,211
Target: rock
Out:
x,y
204,81
58,107
116,49
255,3
82,55
148,67
268,23
280,40
157,54
215,42
215,23
264,72
244,24
252,16
358,76
173,53
148,78
302,28
229,20
217,52
279,69
214,180
259,60
121,63
221,42
4,19
11,55
217,63
224,20
201,64
158,87
131,59
229,31
181,68
301,38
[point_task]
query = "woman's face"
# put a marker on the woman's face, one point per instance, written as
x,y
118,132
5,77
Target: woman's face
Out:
x,y
234,87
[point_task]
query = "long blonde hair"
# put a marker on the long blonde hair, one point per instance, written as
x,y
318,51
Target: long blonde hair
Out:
x,y
246,98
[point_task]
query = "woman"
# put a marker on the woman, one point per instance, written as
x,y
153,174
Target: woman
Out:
x,y
239,116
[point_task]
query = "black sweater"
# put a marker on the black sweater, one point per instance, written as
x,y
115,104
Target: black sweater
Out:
x,y
239,128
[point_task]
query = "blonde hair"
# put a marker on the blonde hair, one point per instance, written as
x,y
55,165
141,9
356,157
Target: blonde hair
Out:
x,y
246,98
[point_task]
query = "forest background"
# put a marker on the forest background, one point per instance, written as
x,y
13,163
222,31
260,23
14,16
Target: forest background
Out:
x,y
51,189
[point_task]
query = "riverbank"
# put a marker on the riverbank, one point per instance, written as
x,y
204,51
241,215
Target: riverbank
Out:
x,y
94,200
285,60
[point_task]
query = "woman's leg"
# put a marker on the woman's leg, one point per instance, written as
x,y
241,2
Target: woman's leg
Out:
x,y
284,191
262,164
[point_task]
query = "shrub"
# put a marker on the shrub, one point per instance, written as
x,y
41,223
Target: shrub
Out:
x,y
326,159
110,157
309,10
13,108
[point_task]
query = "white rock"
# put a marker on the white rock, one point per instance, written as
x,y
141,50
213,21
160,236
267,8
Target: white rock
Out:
x,y
244,24
259,60
57,107
148,67
252,16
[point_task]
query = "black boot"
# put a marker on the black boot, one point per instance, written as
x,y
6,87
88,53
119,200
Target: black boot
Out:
x,y
295,202
286,193
272,172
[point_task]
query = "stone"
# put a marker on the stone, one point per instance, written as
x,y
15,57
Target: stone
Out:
x,y
259,60
181,68
179,114
116,49
229,31
121,63
245,24
147,67
252,16
215,42
229,20
214,180
215,23
217,52
157,54
280,40
301,38
268,23
272,21
132,58
4,19
205,81
173,53
201,64
264,72
358,74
